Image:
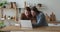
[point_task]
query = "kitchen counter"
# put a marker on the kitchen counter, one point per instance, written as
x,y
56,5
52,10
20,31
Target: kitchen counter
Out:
x,y
17,28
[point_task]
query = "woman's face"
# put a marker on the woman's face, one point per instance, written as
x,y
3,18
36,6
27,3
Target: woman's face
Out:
x,y
33,13
27,12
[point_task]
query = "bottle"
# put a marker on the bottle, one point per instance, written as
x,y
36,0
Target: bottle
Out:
x,y
47,17
11,4
5,16
52,17
25,4
14,4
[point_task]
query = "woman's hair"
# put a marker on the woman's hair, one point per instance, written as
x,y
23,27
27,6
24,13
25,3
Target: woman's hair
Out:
x,y
27,8
35,9
40,5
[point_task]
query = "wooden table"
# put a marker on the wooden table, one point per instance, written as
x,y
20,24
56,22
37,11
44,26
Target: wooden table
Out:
x,y
43,29
54,22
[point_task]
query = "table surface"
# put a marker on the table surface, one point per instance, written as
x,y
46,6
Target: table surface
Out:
x,y
17,28
54,22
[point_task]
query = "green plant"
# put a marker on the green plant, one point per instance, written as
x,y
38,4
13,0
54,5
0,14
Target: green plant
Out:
x,y
3,3
2,31
1,23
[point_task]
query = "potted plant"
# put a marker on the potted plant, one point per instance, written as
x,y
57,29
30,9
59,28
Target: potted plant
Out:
x,y
2,3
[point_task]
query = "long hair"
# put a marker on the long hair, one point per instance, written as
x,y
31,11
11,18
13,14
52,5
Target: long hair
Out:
x,y
35,9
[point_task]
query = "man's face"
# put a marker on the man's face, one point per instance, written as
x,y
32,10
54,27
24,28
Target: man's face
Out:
x,y
33,13
27,12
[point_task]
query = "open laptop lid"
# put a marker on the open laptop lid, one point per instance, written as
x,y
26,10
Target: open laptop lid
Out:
x,y
26,23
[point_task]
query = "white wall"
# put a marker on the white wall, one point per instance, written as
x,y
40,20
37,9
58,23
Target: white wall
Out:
x,y
20,3
50,5
9,12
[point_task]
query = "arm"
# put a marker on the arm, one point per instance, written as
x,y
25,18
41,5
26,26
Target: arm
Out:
x,y
41,20
22,16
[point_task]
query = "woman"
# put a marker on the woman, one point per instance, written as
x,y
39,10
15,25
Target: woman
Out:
x,y
27,14
39,16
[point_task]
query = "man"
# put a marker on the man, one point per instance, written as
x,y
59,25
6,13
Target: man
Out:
x,y
39,16
27,14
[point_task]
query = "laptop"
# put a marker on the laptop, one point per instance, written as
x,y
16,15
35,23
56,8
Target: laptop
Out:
x,y
26,24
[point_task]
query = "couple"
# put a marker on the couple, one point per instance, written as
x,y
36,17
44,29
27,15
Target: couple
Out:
x,y
37,17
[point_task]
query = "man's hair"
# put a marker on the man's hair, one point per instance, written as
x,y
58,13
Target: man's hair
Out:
x,y
28,8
